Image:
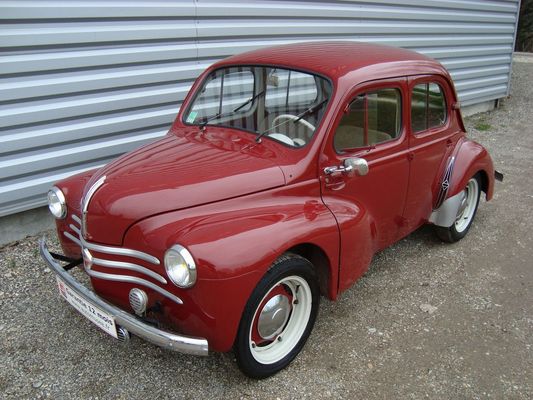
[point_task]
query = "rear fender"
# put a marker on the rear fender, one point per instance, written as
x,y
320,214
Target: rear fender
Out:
x,y
468,159
472,158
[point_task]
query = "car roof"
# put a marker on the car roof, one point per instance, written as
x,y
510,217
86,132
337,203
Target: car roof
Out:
x,y
337,59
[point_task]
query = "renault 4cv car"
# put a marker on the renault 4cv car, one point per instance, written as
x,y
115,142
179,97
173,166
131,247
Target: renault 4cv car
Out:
x,y
285,171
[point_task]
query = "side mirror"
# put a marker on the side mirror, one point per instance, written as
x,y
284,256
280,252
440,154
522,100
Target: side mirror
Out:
x,y
358,166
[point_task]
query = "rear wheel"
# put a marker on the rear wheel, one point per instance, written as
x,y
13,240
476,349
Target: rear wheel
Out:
x,y
465,215
278,317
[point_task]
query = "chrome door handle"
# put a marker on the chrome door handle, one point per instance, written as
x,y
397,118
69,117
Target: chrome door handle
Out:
x,y
349,166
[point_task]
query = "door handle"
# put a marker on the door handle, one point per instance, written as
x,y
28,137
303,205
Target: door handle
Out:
x,y
349,167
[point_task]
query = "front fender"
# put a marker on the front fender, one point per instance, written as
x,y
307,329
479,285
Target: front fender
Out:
x,y
234,242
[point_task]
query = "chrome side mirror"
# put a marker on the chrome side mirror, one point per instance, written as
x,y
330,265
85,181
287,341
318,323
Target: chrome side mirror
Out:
x,y
350,166
357,165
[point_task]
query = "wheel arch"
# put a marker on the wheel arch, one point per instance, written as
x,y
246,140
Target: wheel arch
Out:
x,y
471,158
320,261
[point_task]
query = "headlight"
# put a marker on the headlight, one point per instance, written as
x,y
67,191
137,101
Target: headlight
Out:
x,y
180,266
57,203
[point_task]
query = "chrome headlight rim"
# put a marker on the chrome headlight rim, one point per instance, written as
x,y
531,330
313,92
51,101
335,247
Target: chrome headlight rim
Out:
x,y
188,261
59,212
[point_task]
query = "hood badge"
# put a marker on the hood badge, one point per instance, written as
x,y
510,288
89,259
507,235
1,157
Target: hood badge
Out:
x,y
85,203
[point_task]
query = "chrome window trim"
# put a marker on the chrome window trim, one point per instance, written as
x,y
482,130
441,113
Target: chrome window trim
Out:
x,y
130,266
131,279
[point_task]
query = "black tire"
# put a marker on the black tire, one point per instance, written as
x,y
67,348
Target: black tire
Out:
x,y
287,272
462,225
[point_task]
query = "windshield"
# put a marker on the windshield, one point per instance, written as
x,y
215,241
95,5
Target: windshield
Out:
x,y
281,104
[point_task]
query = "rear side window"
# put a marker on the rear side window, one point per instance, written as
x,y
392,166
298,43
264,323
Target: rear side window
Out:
x,y
370,119
428,107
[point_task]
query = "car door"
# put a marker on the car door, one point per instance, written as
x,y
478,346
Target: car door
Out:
x,y
431,139
368,207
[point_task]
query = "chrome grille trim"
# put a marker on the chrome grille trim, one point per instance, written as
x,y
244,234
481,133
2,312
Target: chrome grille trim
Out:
x,y
130,266
131,279
120,251
75,229
72,237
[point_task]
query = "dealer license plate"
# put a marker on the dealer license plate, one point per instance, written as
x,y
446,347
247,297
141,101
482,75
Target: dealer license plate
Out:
x,y
96,315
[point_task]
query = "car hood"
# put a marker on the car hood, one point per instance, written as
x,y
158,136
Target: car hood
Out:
x,y
173,173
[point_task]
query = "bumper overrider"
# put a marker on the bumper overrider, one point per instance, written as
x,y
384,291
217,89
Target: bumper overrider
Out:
x,y
124,320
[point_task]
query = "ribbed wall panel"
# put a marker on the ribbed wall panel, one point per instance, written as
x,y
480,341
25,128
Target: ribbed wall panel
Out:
x,y
83,81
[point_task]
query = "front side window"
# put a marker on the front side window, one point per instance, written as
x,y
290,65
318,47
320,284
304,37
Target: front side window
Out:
x,y
370,119
278,103
428,107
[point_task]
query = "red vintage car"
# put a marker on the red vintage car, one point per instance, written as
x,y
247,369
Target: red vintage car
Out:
x,y
285,171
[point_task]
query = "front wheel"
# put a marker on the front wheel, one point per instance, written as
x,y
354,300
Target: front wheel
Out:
x,y
465,215
278,317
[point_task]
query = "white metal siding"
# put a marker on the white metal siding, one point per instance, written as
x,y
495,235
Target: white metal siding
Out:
x,y
84,81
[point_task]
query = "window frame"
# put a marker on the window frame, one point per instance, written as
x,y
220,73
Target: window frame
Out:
x,y
444,86
192,96
384,85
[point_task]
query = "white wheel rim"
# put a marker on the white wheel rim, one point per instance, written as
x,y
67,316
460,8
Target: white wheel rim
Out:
x,y
471,196
295,327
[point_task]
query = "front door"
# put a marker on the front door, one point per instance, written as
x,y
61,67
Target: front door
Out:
x,y
369,207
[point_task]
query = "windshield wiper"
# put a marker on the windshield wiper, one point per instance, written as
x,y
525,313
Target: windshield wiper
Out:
x,y
310,110
220,115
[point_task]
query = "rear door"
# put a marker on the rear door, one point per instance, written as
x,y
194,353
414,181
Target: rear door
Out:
x,y
431,139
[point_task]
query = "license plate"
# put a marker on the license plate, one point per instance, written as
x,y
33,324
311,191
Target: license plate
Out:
x,y
96,315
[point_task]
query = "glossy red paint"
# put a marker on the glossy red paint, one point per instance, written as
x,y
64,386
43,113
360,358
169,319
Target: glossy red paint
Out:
x,y
237,205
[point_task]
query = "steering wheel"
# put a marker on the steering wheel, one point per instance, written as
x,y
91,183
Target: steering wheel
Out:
x,y
291,117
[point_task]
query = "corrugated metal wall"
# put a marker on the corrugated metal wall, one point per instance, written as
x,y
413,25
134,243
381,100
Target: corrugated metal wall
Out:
x,y
84,81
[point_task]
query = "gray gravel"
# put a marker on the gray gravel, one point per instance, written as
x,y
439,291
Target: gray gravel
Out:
x,y
428,320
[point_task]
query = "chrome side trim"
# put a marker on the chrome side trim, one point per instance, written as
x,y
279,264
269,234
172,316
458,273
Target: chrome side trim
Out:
x,y
130,266
73,238
90,193
159,337
120,251
76,219
132,279
445,183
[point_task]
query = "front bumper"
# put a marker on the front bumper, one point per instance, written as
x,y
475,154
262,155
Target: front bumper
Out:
x,y
159,337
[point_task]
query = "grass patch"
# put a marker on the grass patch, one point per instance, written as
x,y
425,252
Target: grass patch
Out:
x,y
483,126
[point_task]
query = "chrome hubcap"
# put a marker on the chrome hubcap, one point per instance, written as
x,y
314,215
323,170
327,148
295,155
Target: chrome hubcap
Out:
x,y
273,317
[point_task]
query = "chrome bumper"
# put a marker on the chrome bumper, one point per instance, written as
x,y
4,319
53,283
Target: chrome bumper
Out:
x,y
159,337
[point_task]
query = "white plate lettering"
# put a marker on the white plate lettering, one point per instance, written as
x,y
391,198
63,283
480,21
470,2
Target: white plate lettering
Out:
x,y
97,316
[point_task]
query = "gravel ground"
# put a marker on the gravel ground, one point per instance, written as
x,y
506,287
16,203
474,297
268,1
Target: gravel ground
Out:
x,y
428,320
